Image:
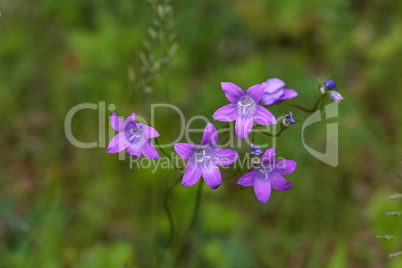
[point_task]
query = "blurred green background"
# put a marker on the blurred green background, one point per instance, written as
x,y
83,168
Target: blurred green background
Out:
x,y
63,206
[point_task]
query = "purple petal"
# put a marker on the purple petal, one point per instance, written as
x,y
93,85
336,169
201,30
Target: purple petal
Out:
x,y
262,189
273,85
149,132
243,126
271,98
264,117
336,96
289,94
212,176
149,151
247,179
232,91
210,135
226,113
131,118
185,150
117,123
223,157
256,92
285,166
134,150
192,174
278,182
269,156
118,143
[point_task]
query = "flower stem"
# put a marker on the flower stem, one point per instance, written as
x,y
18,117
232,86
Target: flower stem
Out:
x,y
306,109
168,156
274,135
167,209
192,223
170,218
231,176
252,139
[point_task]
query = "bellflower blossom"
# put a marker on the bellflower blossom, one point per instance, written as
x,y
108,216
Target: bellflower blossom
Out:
x,y
244,108
132,136
288,119
329,84
268,174
203,160
255,150
275,93
336,96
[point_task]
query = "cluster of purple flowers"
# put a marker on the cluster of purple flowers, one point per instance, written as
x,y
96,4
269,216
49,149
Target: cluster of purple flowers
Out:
x,y
204,159
329,85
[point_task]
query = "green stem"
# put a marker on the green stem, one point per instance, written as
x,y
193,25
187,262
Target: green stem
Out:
x,y
167,209
231,176
274,135
252,139
170,218
192,223
306,109
168,156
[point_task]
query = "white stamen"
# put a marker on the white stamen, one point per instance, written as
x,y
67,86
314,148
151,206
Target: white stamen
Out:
x,y
203,156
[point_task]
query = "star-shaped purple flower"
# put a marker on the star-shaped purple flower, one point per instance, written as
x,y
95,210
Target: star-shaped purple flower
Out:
x,y
268,174
135,137
205,159
275,93
244,108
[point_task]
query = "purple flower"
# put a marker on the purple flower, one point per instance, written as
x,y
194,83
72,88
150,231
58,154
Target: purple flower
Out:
x,y
255,150
135,137
336,96
205,159
268,174
244,109
289,119
329,84
275,93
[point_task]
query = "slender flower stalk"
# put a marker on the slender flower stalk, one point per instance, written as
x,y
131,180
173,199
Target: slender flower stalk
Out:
x,y
167,155
192,224
315,107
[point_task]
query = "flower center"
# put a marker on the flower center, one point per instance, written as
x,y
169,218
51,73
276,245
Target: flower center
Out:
x,y
199,155
135,133
246,105
265,170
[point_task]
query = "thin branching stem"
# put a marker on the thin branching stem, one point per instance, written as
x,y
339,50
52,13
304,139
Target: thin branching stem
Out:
x,y
170,219
231,176
168,211
192,223
274,135
168,156
317,104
